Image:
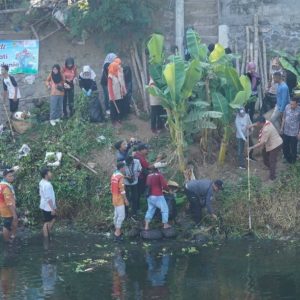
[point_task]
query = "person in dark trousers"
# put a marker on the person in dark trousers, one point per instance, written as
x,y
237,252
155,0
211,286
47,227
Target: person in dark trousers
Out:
x,y
255,82
270,139
11,90
108,60
69,71
132,172
290,129
282,100
200,194
157,184
157,112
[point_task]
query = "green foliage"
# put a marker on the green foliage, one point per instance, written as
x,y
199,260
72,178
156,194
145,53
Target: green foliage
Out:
x,y
121,19
77,189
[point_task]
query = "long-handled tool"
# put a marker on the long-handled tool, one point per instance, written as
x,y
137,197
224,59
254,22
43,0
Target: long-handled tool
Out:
x,y
116,106
249,185
9,122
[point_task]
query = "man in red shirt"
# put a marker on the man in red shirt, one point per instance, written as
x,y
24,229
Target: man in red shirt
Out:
x,y
157,184
141,155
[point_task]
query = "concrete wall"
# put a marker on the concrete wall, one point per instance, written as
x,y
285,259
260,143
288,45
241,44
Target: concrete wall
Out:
x,y
279,20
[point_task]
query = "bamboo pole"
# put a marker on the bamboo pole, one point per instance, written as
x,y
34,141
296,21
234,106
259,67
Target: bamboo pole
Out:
x,y
265,63
244,56
237,60
247,44
83,164
261,89
251,51
256,39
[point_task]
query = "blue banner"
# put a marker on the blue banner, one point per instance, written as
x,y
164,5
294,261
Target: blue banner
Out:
x,y
22,56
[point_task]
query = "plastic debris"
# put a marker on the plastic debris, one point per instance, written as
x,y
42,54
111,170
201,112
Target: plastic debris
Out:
x,y
24,151
53,159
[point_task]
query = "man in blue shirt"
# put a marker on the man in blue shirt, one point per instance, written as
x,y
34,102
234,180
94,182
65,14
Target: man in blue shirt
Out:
x,y
283,99
199,194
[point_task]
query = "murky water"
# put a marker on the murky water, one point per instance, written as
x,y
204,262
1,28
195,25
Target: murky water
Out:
x,y
74,267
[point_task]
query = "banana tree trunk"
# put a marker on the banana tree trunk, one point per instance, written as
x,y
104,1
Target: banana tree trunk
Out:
x,y
224,145
179,137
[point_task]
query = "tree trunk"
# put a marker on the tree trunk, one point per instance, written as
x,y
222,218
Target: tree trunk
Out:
x,y
224,144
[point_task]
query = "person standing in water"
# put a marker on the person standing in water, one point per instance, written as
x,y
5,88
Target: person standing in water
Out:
x,y
47,202
8,206
69,71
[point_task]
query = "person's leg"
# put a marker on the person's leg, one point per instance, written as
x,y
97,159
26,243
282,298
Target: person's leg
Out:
x,y
286,147
153,118
195,207
71,101
250,145
54,107
128,196
13,105
293,148
113,112
135,199
7,229
164,209
119,218
150,211
60,106
250,109
160,119
265,156
106,97
273,155
65,103
276,119
241,146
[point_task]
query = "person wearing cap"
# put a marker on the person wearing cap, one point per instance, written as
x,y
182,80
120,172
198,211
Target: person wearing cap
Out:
x,y
141,154
8,206
242,122
271,142
200,194
156,184
119,198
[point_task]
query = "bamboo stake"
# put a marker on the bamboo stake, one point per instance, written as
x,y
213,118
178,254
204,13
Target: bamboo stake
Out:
x,y
256,39
260,65
237,60
247,44
249,186
83,164
264,49
9,122
251,51
244,56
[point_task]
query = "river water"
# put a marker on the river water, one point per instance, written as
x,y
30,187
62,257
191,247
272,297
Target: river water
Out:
x,y
74,267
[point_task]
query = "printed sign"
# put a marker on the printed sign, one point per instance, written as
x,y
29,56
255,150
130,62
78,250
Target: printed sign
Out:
x,y
21,56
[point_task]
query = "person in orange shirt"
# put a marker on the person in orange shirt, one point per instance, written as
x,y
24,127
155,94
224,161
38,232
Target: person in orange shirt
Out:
x,y
8,206
55,83
119,199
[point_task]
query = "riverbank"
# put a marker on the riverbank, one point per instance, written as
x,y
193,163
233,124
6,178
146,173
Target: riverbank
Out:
x,y
84,199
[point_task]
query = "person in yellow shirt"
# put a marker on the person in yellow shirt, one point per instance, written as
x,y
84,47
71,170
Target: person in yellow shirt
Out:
x,y
8,206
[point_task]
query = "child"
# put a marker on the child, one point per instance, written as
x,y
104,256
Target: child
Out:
x,y
119,199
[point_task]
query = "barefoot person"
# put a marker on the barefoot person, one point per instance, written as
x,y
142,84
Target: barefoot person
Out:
x,y
47,204
8,206
157,184
119,199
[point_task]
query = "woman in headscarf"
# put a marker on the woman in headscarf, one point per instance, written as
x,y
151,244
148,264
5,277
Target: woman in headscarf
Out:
x,y
255,82
108,60
69,71
87,81
55,83
116,91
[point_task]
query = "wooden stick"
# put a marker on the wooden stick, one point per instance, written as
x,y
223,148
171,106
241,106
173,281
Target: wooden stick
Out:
x,y
34,32
264,50
251,51
137,111
83,164
116,106
11,11
9,122
244,56
51,33
237,60
262,86
247,44
256,39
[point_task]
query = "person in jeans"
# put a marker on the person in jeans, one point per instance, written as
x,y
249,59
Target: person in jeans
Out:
x,y
282,100
157,184
47,202
55,83
242,122
110,57
291,130
255,82
200,195
270,139
69,71
132,172
10,90
119,198
8,206
157,111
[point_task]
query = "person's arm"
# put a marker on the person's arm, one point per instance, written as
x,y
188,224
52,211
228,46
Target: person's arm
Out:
x,y
163,183
48,192
4,90
48,81
15,85
283,121
263,140
282,96
122,191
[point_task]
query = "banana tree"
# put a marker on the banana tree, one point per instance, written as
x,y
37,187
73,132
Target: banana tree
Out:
x,y
174,85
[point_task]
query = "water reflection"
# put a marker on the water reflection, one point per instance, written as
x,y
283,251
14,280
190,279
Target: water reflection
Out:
x,y
49,278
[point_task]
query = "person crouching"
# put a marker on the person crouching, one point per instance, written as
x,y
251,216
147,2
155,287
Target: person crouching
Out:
x,y
119,199
156,184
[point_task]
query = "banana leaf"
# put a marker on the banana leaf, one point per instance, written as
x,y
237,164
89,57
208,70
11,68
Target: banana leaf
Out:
x,y
196,49
174,75
156,74
155,46
288,66
217,54
221,104
239,100
246,84
193,75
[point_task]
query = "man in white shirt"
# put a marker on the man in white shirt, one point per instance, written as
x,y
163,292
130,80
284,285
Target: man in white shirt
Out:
x,y
11,90
47,204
